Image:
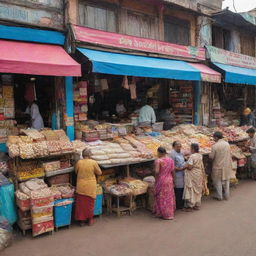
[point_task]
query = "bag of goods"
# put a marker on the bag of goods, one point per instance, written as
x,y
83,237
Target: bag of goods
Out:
x,y
66,146
150,180
115,161
13,150
50,135
35,173
22,200
35,184
127,147
41,197
24,189
119,189
100,157
43,211
5,233
53,147
121,155
26,139
51,166
138,187
40,149
98,152
42,225
79,145
67,191
26,150
56,193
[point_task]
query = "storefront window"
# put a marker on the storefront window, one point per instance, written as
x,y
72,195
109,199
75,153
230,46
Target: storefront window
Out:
x,y
141,25
177,31
97,17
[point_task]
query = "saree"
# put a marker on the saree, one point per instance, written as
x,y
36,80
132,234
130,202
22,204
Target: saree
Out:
x,y
194,181
84,206
164,204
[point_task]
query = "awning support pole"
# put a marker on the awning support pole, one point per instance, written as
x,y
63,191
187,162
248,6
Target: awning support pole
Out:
x,y
197,102
69,108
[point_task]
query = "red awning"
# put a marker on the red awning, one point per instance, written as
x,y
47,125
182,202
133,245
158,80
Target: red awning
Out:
x,y
36,59
207,74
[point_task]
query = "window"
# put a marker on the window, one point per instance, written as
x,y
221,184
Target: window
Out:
x,y
247,45
141,25
177,31
97,17
221,38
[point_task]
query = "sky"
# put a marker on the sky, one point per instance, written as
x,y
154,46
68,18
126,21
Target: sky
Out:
x,y
240,5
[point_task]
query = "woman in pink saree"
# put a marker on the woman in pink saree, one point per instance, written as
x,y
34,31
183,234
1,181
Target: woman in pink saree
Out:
x,y
164,205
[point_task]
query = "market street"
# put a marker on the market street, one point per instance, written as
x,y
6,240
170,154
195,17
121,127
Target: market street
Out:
x,y
219,229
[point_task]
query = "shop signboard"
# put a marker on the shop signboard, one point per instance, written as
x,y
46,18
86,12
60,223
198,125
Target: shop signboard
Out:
x,y
230,58
43,15
114,40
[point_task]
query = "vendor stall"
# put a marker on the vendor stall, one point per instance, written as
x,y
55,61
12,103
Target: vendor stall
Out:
x,y
28,73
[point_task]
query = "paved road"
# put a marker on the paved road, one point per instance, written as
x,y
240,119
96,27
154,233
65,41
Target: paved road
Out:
x,y
225,228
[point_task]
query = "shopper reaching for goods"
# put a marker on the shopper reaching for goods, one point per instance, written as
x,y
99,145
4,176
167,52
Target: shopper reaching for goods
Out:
x,y
86,185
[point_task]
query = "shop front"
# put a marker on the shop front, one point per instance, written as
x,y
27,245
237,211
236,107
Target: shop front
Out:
x,y
236,92
120,69
35,68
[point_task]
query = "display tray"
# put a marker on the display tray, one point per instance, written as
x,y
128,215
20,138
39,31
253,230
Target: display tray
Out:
x,y
105,166
45,157
57,172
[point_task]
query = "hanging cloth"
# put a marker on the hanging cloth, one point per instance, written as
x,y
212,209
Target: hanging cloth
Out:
x,y
132,87
125,83
103,85
30,92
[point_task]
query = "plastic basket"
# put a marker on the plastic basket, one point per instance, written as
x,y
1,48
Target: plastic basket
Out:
x,y
44,211
43,227
44,201
24,205
63,213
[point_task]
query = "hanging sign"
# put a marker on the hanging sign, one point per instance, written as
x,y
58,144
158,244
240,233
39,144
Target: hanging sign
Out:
x,y
230,58
102,38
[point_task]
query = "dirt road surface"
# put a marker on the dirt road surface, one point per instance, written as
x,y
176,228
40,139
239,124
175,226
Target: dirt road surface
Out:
x,y
225,228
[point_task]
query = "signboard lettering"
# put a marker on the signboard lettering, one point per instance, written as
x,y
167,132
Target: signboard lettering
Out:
x,y
230,58
31,16
121,41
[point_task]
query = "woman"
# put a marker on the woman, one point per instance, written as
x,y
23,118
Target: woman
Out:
x,y
164,205
86,171
36,118
180,166
194,179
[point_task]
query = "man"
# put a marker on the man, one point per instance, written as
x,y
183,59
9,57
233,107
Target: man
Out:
x,y
247,117
147,113
252,147
221,166
180,166
120,108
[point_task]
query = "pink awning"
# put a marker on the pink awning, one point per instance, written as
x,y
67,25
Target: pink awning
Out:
x,y
207,74
36,59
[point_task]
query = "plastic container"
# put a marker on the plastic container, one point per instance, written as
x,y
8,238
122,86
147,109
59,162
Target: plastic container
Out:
x,y
63,213
44,201
24,205
98,205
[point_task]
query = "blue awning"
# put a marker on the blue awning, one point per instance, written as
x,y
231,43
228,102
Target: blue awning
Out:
x,y
140,66
237,75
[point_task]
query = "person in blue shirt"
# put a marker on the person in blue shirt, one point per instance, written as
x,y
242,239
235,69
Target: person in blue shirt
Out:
x,y
180,166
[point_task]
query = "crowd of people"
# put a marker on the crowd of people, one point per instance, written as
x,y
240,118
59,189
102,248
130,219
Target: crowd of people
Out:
x,y
179,184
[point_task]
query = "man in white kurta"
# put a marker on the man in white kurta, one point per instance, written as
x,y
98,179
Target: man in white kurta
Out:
x,y
147,114
36,118
221,166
